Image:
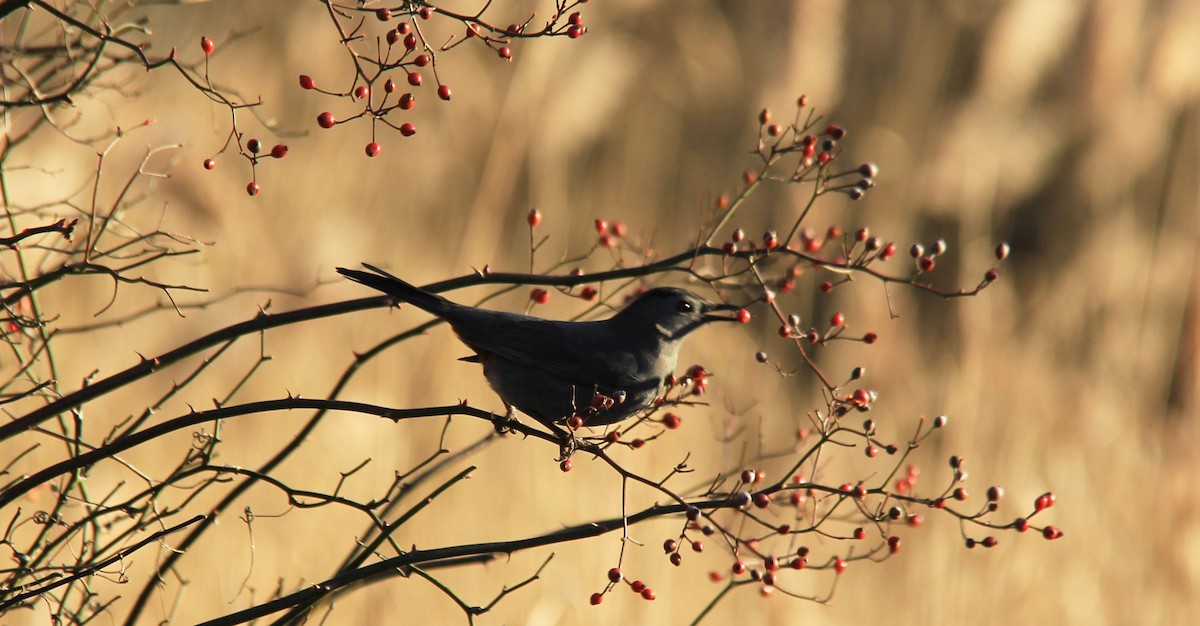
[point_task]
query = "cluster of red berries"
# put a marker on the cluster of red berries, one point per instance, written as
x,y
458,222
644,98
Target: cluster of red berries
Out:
x,y
738,242
615,577
253,149
609,232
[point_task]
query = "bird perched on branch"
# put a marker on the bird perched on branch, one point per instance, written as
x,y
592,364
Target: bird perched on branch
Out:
x,y
601,371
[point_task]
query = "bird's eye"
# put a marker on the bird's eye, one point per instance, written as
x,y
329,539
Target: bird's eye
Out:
x,y
684,306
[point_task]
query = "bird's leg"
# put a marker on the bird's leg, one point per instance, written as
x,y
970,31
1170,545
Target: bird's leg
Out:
x,y
504,425
567,443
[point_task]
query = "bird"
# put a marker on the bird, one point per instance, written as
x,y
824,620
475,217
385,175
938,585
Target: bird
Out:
x,y
602,371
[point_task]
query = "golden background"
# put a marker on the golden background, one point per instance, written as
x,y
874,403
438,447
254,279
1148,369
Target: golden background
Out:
x,y
1068,128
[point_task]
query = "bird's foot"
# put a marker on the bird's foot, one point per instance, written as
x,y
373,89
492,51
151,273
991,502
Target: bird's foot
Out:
x,y
567,443
504,424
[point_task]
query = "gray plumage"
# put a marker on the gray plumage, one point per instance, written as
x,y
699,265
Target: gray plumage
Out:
x,y
551,370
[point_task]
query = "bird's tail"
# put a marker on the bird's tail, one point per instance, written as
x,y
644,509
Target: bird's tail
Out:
x,y
397,288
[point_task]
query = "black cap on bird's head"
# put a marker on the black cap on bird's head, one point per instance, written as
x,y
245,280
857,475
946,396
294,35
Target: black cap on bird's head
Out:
x,y
673,312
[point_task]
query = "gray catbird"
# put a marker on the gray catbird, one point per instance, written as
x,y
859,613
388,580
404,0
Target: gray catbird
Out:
x,y
602,371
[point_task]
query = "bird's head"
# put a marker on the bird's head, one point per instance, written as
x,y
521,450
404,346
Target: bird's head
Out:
x,y
673,313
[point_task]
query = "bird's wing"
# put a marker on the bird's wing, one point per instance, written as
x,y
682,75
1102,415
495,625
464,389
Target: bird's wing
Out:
x,y
547,345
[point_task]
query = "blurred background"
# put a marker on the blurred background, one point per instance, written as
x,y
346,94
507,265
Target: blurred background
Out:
x,y
1069,129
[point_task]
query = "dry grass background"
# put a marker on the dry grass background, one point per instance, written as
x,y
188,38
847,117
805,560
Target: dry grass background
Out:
x,y
1068,128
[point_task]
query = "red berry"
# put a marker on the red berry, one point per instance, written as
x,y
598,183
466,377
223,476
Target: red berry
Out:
x,y
637,443
393,36
389,86
279,151
729,248
762,500
618,228
565,466
410,41
576,18
361,92
743,316
383,15
306,82
861,234
915,520
207,45
210,164
648,593
837,320
504,52
407,101
407,129
1021,524
614,575
870,338
672,421
444,92
888,252
893,543
326,120
426,12
252,189
597,598
414,78
1002,251
860,534
534,218
588,293
1044,501
926,264
574,31
826,286
472,30
254,146
834,131
989,542
1051,532
607,241
861,397
637,586
839,565
422,60
540,296
373,149
799,562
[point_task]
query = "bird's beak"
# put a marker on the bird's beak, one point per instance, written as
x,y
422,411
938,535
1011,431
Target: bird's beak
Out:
x,y
721,313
